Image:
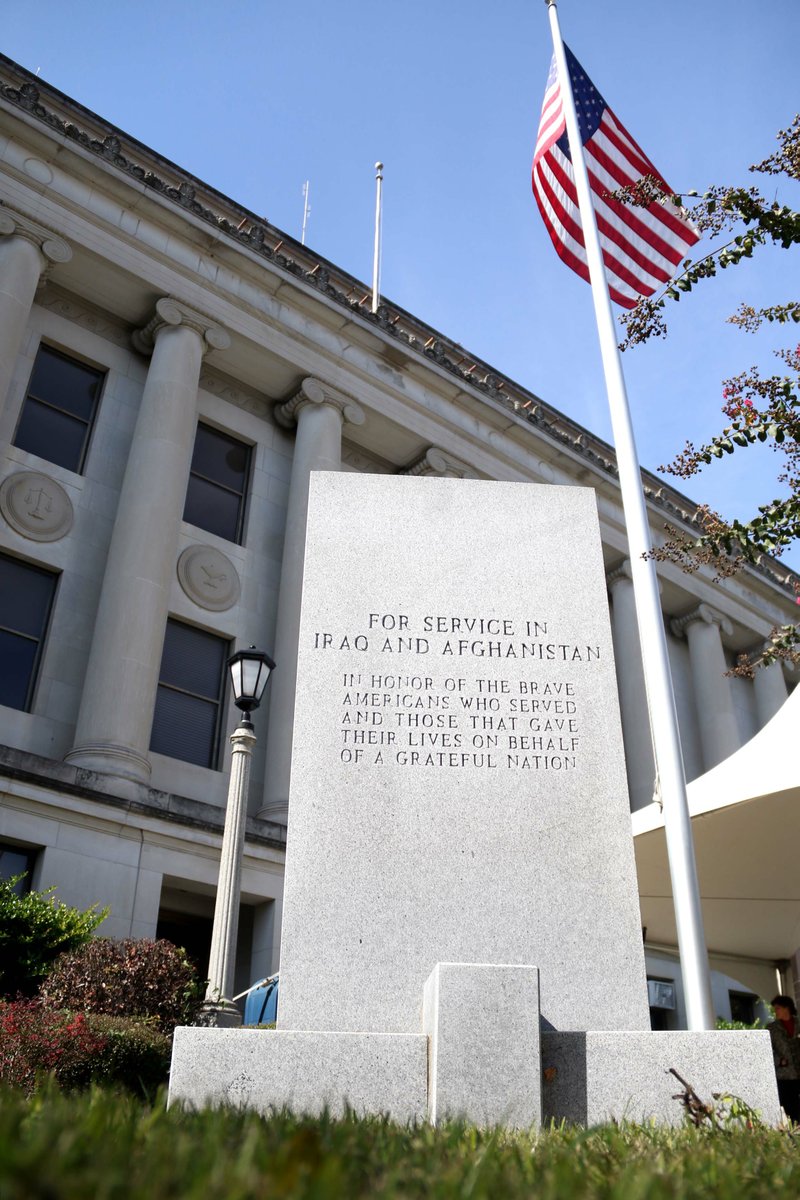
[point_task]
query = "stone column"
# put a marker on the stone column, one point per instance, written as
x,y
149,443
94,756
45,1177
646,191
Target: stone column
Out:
x,y
27,251
771,693
639,756
116,711
716,717
319,413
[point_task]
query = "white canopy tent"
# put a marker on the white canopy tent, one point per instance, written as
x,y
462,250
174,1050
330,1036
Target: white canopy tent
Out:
x,y
745,817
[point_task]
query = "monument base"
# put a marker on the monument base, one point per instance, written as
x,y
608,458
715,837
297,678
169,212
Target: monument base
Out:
x,y
480,1058
592,1077
305,1072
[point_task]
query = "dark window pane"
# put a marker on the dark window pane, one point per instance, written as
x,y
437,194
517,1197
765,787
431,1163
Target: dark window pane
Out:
x,y
743,1007
185,727
16,861
215,495
211,508
193,660
25,596
59,409
65,383
17,662
220,458
51,434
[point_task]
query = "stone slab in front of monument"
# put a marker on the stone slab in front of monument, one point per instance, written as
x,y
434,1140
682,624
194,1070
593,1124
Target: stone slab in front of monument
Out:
x,y
458,797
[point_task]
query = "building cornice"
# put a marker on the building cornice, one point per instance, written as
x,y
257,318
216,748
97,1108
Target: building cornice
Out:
x,y
67,779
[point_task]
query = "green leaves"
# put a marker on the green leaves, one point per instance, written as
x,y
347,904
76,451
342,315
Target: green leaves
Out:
x,y
34,929
761,409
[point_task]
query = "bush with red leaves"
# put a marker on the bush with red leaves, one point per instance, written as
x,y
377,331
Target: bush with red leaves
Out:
x,y
134,978
36,1041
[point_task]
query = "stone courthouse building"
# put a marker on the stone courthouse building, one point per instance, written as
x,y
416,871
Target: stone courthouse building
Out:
x,y
172,368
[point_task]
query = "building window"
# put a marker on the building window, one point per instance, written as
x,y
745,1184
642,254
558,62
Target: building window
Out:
x,y
59,409
217,484
26,597
17,862
191,686
743,1007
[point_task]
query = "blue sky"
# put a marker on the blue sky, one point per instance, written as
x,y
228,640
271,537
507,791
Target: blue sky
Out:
x,y
257,97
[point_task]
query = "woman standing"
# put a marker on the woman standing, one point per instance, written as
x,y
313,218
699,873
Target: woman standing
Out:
x,y
786,1053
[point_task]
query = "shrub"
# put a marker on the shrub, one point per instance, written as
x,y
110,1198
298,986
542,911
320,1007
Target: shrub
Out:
x,y
77,1049
135,977
35,1041
722,1023
34,930
135,1053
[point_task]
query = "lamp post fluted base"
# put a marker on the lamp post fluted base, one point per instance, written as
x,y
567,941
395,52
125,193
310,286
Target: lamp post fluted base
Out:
x,y
218,1014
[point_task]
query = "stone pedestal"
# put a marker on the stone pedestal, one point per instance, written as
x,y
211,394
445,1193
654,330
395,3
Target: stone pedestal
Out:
x,y
480,1062
306,1072
591,1077
482,1023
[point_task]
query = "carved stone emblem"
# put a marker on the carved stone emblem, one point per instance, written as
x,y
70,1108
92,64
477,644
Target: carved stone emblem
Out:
x,y
239,1092
208,578
36,506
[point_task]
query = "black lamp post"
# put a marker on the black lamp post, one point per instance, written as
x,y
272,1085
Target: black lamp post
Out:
x,y
250,670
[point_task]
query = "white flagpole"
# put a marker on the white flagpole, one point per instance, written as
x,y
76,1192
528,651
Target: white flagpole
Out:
x,y
376,258
652,636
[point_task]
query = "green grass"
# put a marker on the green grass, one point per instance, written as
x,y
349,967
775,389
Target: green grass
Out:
x,y
107,1146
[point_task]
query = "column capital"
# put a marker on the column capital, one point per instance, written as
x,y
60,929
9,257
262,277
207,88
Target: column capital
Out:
x,y
704,613
622,573
52,248
438,462
314,391
169,314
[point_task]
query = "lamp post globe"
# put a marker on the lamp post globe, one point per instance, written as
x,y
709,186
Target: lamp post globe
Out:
x,y
250,670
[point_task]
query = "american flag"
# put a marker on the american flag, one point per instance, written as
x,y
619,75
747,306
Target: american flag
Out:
x,y
641,246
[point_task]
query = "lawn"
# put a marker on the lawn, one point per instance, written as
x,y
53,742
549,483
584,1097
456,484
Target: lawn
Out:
x,y
103,1145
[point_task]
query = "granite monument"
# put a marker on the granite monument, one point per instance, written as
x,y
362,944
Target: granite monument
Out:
x,y
461,915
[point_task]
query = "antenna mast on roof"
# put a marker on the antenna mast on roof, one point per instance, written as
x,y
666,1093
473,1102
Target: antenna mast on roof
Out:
x,y
306,211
